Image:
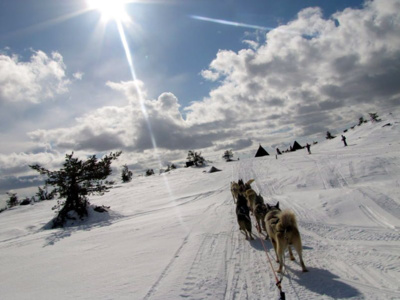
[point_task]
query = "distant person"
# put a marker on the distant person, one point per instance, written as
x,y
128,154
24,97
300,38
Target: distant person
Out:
x,y
344,140
278,151
308,146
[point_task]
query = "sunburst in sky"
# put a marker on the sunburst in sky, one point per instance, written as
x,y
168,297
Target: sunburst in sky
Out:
x,y
110,9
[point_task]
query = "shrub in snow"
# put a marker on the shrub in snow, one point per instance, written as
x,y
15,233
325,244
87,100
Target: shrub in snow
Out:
x,y
149,172
374,117
169,168
126,174
195,158
228,155
13,200
329,136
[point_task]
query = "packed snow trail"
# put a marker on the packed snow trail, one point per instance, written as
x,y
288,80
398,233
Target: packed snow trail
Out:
x,y
175,236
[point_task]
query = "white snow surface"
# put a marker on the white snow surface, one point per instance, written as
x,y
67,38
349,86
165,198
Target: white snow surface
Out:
x,y
175,236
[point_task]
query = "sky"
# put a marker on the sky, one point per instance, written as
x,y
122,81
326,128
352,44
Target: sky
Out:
x,y
186,75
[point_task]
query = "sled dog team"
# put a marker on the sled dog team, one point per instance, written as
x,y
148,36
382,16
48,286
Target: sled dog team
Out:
x,y
280,226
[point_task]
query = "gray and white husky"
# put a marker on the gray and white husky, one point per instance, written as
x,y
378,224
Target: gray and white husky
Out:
x,y
284,233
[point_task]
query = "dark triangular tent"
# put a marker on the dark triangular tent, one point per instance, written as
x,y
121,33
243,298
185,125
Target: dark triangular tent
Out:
x,y
261,152
213,170
296,146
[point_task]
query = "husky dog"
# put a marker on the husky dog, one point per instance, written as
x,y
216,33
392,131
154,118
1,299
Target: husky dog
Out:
x,y
260,211
243,216
253,200
245,186
251,196
235,189
283,232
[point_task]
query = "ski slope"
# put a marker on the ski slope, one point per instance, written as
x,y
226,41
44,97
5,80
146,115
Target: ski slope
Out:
x,y
175,236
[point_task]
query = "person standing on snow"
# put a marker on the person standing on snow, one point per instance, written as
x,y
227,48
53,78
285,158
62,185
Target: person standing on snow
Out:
x,y
344,140
308,146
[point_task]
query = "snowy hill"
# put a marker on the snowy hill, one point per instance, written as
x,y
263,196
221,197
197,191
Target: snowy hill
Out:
x,y
175,235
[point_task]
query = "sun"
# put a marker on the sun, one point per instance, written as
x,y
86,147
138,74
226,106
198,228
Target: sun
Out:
x,y
110,9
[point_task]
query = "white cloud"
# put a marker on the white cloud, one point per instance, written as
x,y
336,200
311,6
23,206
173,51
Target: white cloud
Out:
x,y
251,43
210,75
78,75
37,80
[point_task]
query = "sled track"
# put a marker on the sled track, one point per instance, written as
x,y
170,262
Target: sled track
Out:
x,y
166,270
348,253
352,233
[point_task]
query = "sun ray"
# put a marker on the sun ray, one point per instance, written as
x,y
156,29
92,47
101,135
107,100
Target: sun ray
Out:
x,y
46,24
117,14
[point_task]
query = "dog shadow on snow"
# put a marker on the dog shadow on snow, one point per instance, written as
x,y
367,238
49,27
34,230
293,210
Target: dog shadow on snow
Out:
x,y
324,282
320,281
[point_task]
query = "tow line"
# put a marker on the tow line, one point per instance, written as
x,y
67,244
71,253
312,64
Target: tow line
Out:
x,y
278,281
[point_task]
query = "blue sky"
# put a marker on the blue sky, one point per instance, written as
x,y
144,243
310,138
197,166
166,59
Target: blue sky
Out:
x,y
65,84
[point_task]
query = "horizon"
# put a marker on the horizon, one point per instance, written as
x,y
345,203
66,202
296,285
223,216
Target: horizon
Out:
x,y
158,78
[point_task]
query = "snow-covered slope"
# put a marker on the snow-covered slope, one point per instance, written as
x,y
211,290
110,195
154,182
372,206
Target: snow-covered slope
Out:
x,y
175,235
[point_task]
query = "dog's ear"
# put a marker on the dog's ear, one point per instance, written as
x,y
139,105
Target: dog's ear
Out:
x,y
277,205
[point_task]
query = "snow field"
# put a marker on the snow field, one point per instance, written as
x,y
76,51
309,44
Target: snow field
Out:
x,y
175,236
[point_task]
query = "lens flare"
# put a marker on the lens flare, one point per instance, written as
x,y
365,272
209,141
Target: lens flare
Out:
x,y
146,116
110,9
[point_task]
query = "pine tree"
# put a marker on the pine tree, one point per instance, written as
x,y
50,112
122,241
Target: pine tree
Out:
x,y
77,180
126,174
228,155
196,158
13,200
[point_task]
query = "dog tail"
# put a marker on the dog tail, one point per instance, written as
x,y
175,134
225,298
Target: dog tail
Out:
x,y
287,222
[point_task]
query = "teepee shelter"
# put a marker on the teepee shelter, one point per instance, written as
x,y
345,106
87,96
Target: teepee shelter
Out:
x,y
296,146
261,152
213,170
